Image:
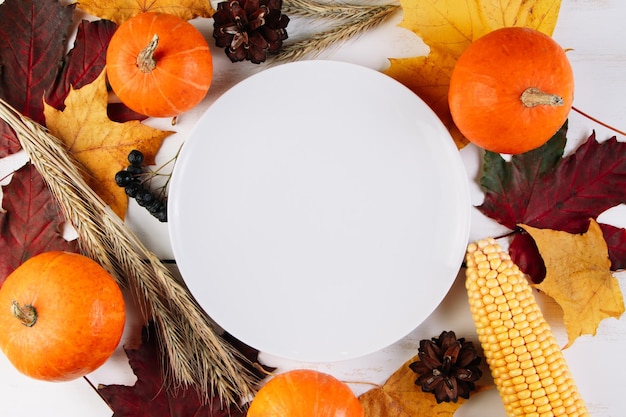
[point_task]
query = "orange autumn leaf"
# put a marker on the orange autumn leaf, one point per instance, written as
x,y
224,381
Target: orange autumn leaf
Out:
x,y
119,11
400,397
448,27
578,278
100,145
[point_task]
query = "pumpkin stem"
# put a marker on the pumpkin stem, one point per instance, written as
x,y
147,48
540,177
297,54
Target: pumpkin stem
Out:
x,y
145,59
533,96
27,314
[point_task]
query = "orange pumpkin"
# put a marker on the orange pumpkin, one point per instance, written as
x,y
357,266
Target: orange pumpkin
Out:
x,y
62,316
159,65
511,90
305,393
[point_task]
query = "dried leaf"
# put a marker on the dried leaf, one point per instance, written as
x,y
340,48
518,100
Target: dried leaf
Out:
x,y
119,11
99,144
34,36
400,397
543,190
85,61
578,277
33,60
9,144
150,397
448,27
31,222
429,78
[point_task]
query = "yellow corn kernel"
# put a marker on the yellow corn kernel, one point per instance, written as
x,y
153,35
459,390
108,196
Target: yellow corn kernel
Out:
x,y
525,360
518,341
533,377
544,410
506,315
523,394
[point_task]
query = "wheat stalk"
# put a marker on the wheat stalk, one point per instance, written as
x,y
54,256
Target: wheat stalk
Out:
x,y
357,23
327,10
195,356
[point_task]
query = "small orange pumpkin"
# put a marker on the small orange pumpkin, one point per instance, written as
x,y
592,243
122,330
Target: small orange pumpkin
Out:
x,y
305,393
159,64
511,90
62,316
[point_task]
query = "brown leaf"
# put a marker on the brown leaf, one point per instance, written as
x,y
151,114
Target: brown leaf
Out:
x,y
119,11
578,278
448,27
99,144
400,397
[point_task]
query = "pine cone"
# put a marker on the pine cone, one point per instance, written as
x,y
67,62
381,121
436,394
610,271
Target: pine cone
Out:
x,y
249,29
448,367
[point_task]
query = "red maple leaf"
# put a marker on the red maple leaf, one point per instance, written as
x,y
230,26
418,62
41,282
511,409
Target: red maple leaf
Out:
x,y
543,190
85,61
33,60
8,141
150,396
34,36
31,222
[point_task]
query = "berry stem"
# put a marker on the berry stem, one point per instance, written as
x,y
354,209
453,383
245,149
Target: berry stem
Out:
x,y
593,119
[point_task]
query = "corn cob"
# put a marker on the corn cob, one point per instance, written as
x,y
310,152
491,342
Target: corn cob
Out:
x,y
525,360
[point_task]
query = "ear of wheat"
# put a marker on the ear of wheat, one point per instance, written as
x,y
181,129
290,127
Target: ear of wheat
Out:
x,y
349,21
194,354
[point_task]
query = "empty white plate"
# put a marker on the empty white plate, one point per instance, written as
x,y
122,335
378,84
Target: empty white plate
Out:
x,y
319,211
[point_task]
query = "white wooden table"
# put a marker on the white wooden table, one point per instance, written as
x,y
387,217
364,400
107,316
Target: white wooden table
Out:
x,y
595,31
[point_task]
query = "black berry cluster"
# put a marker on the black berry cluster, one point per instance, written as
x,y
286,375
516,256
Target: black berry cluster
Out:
x,y
133,180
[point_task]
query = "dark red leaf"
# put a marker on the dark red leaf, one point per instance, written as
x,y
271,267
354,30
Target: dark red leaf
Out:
x,y
31,222
84,62
8,140
583,186
33,36
509,186
120,113
150,396
525,254
616,240
542,190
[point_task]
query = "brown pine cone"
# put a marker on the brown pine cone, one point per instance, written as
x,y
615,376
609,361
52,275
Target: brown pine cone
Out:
x,y
448,367
249,29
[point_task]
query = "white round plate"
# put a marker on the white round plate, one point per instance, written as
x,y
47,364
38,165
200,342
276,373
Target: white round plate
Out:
x,y
319,211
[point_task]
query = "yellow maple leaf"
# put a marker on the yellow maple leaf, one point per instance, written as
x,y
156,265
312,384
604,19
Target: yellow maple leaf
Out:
x,y
400,397
100,145
431,81
448,27
578,278
119,11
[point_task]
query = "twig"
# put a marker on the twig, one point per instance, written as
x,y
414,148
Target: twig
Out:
x,y
593,119
93,387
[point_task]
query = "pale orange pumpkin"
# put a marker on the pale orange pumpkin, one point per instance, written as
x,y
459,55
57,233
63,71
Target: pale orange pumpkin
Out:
x,y
305,393
159,64
62,316
511,90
